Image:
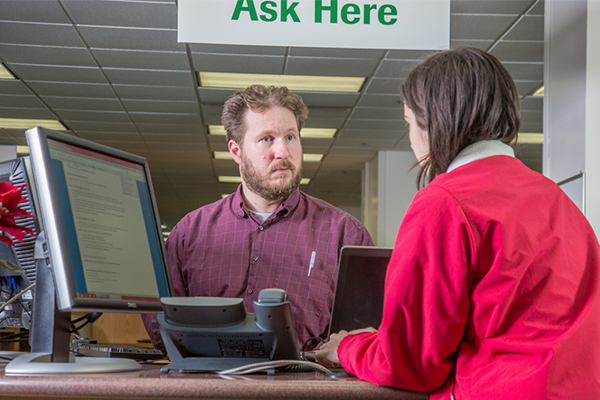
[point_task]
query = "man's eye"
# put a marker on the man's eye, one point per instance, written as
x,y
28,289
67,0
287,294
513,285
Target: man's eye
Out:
x,y
290,137
266,139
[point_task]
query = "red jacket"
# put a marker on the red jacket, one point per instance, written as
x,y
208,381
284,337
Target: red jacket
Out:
x,y
492,292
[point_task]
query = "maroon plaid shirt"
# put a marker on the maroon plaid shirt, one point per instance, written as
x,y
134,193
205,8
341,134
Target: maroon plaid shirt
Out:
x,y
223,250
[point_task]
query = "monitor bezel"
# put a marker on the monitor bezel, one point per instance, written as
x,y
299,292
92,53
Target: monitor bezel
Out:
x,y
50,213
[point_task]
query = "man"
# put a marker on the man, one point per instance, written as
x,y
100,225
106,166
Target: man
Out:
x,y
268,234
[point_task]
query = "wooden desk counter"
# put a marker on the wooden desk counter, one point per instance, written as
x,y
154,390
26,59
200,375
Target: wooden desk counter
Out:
x,y
151,384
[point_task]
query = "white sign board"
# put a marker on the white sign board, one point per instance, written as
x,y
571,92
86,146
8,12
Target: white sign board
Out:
x,y
373,24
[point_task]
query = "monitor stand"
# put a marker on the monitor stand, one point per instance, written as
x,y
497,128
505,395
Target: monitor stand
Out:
x,y
50,334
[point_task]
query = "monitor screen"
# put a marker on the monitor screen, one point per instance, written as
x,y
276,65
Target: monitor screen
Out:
x,y
101,240
101,225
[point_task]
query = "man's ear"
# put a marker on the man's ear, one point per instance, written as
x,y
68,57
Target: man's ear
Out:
x,y
235,150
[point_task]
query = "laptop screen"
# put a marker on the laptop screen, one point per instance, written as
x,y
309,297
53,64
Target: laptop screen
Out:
x,y
358,301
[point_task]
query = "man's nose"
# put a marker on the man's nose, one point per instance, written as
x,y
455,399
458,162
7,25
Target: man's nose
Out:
x,y
281,149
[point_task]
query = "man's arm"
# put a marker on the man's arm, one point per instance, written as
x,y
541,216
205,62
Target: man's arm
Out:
x,y
173,246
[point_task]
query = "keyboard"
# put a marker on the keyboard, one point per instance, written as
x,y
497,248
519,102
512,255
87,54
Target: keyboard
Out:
x,y
114,350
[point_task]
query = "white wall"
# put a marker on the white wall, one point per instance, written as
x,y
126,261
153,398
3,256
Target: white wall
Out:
x,y
592,118
572,100
388,193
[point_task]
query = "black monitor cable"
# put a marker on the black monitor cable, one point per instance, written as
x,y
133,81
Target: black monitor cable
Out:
x,y
89,318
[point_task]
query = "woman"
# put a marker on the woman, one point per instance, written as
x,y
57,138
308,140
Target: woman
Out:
x,y
492,288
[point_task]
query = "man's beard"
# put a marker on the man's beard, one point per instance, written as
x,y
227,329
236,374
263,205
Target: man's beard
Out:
x,y
260,184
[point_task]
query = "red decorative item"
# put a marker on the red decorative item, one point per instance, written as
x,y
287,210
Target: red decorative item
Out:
x,y
10,198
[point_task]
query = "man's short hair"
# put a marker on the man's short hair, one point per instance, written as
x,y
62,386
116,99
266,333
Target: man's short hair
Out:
x,y
461,96
259,98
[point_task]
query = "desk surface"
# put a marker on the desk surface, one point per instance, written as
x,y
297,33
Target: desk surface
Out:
x,y
149,383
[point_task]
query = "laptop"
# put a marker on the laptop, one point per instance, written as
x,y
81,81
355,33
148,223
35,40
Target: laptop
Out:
x,y
358,300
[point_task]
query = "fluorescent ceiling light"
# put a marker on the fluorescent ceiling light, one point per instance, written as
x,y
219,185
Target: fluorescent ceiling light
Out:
x,y
539,92
216,130
222,155
305,181
14,123
303,83
318,133
22,150
230,179
225,195
4,73
312,157
530,138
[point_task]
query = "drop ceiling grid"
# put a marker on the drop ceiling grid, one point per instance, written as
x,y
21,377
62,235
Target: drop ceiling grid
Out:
x,y
147,77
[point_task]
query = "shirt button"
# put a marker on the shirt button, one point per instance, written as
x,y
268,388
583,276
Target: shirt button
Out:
x,y
260,228
255,258
250,291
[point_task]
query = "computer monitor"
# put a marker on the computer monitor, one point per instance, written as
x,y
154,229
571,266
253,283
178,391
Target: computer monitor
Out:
x,y
101,245
13,281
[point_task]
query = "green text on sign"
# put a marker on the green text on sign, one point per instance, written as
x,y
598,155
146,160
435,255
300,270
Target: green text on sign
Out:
x,y
349,13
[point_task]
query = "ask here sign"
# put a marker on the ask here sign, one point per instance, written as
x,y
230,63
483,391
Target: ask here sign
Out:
x,y
374,24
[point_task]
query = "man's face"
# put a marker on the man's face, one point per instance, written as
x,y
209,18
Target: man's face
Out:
x,y
271,155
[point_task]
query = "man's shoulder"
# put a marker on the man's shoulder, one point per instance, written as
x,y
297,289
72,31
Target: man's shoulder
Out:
x,y
208,211
322,207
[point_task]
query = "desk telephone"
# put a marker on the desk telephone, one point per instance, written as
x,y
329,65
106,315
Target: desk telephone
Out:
x,y
216,333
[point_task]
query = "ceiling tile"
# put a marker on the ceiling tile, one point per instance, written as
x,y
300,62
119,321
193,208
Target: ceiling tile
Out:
x,y
170,60
123,13
28,113
330,66
341,53
161,106
51,55
519,51
39,34
165,118
528,28
71,89
526,71
161,93
354,123
9,86
395,68
134,39
169,128
111,136
149,77
380,100
395,113
21,101
515,7
100,116
235,49
48,73
78,103
33,11
469,26
527,87
238,63
101,126
384,86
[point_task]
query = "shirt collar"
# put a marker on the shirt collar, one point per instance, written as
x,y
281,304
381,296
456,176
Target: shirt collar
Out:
x,y
479,150
284,208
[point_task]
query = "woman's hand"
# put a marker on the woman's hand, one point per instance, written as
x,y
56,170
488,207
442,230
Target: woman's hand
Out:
x,y
327,354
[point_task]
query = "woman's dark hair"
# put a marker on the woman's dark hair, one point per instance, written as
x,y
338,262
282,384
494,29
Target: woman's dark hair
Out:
x,y
460,96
